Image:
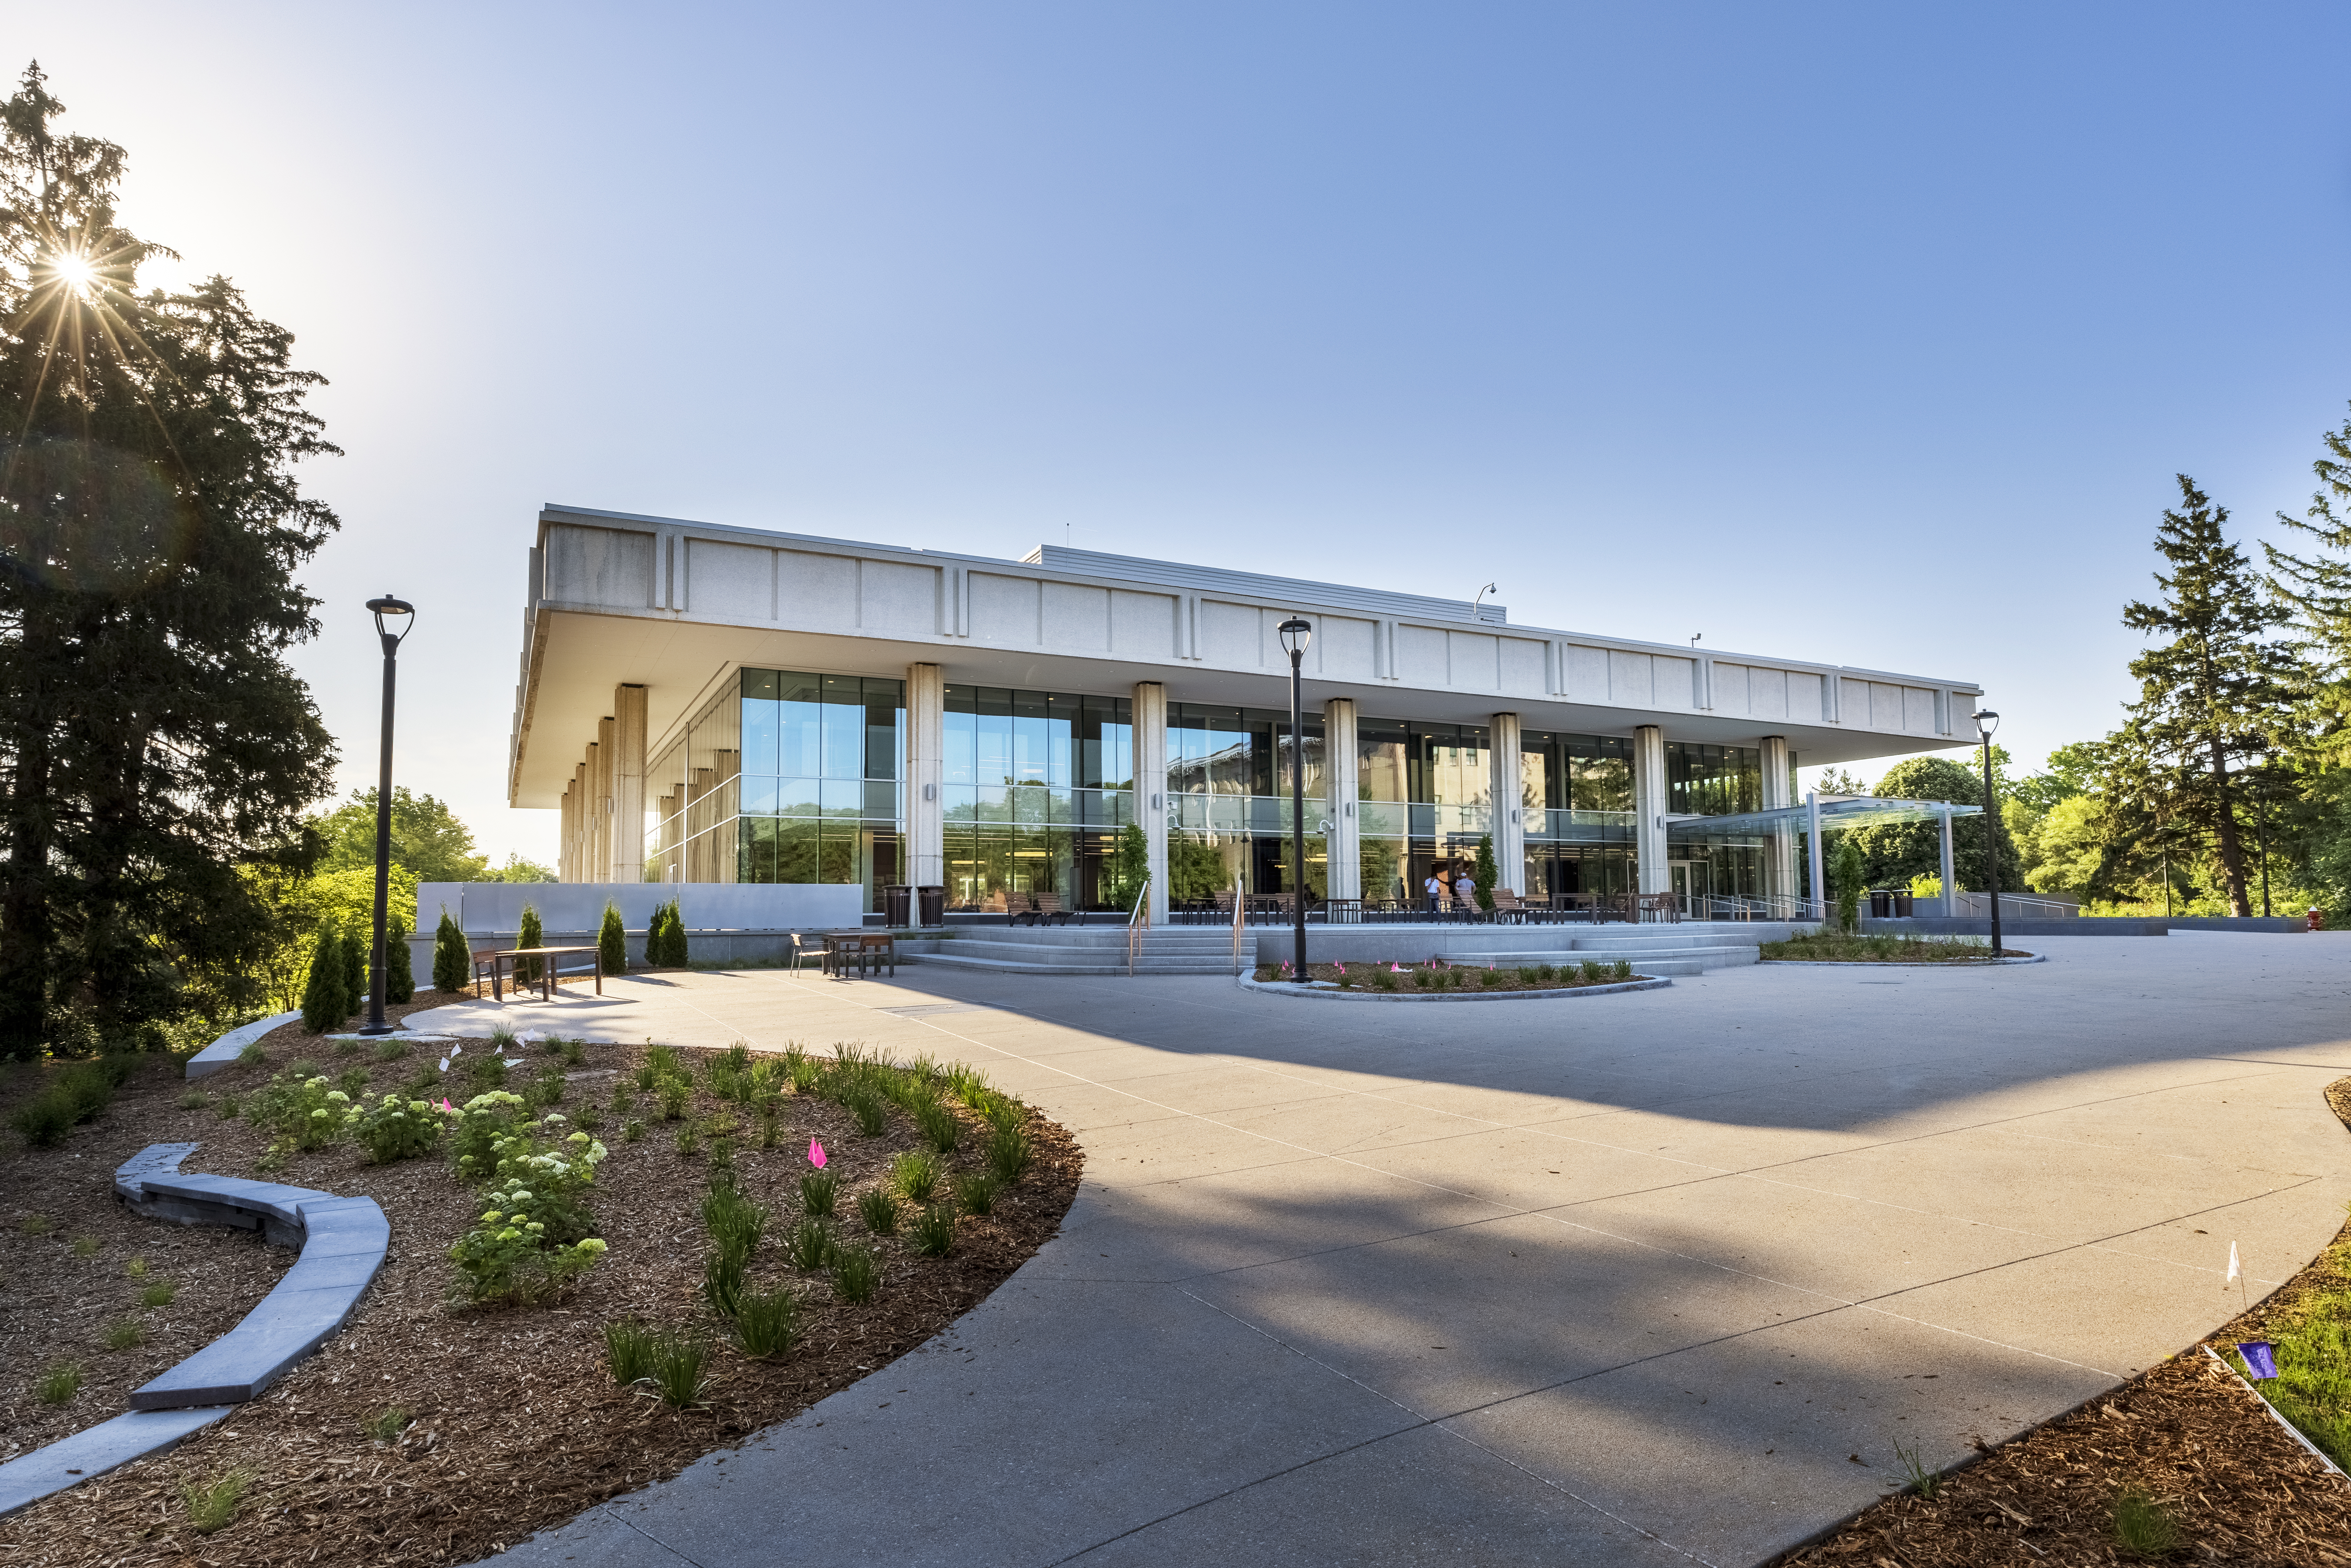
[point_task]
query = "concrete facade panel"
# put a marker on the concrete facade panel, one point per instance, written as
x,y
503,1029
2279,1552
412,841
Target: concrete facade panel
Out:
x,y
897,599
1473,659
1345,645
1731,697
816,591
1077,617
1631,679
1420,657
1230,636
1006,609
732,582
1521,660
600,566
1917,710
1586,676
1677,682
1141,625
1807,697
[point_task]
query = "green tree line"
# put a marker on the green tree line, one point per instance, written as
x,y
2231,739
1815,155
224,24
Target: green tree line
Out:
x,y
2230,772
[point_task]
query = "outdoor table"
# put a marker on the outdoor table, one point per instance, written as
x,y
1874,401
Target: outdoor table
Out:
x,y
879,946
497,960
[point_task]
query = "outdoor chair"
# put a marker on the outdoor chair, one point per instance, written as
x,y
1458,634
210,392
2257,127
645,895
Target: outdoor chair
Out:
x,y
805,948
1508,910
1048,911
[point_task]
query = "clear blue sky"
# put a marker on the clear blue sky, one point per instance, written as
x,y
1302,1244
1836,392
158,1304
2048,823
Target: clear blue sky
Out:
x,y
1865,333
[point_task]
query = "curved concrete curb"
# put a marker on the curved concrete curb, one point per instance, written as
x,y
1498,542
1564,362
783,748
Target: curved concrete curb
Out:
x,y
1878,964
343,1242
223,1052
1331,993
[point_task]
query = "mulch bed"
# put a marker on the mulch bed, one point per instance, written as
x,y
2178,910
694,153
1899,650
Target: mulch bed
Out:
x,y
517,1425
1457,976
2241,1490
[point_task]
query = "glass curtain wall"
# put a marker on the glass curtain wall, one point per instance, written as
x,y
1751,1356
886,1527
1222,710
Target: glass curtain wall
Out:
x,y
1716,782
1577,792
1229,773
786,776
1036,786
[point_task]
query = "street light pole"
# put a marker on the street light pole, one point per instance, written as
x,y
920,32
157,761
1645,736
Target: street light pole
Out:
x,y
2262,833
1295,636
1986,722
402,614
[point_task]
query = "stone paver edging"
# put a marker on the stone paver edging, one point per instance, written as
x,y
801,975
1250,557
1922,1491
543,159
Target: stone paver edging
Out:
x,y
343,1242
1324,990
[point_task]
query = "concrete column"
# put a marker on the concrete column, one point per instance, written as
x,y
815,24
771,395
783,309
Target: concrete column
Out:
x,y
1150,717
927,822
1346,876
1509,801
1779,852
1951,876
1649,809
608,751
629,784
563,839
582,818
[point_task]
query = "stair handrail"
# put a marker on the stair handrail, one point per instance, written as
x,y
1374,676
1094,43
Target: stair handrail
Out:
x,y
1240,913
1137,922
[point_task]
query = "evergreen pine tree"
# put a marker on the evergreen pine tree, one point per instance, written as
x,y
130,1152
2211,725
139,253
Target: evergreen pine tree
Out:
x,y
453,960
2220,690
323,996
671,926
399,970
153,530
612,942
355,968
1848,873
531,936
1482,873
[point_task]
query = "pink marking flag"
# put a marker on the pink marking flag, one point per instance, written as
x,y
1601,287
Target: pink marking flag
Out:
x,y
815,1154
446,1106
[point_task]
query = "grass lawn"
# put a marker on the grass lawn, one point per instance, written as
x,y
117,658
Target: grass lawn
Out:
x,y
1854,947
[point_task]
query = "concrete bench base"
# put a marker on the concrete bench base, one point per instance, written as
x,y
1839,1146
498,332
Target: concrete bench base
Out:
x,y
343,1241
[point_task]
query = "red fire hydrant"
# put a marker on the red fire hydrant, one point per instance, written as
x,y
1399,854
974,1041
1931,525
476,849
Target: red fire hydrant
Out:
x,y
2315,920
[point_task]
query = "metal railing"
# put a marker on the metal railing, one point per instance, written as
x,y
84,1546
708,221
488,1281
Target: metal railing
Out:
x,y
1137,924
1240,927
1979,906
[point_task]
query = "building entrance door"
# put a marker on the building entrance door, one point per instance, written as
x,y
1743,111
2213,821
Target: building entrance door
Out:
x,y
1688,883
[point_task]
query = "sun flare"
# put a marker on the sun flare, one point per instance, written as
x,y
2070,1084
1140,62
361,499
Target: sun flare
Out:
x,y
77,272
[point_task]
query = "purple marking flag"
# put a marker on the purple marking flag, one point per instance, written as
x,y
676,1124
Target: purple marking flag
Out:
x,y
2261,1358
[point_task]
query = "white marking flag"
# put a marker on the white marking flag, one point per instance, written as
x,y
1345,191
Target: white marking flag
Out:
x,y
2233,1270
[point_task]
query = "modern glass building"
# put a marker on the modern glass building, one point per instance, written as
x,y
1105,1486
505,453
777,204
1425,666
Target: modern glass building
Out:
x,y
709,704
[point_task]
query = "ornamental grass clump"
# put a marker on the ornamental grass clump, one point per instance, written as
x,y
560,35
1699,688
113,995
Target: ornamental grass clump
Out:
x,y
938,1125
869,1110
803,1071
916,1174
735,1224
722,1282
854,1273
680,1368
386,1425
819,1193
2144,1528
60,1383
767,1323
212,1506
933,1231
878,1207
807,1246
162,1293
976,1193
629,1349
1009,1150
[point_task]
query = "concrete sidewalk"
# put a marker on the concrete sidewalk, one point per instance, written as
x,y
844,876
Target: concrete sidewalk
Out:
x,y
1633,1281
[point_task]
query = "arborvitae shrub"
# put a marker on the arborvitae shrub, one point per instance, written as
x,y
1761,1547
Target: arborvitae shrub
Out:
x,y
324,998
398,972
669,927
453,961
612,943
355,971
533,934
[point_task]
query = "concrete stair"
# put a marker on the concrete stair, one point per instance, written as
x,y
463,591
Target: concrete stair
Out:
x,y
1078,950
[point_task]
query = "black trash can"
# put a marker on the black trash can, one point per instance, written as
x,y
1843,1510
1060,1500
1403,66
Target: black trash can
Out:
x,y
934,902
1905,906
1881,903
897,904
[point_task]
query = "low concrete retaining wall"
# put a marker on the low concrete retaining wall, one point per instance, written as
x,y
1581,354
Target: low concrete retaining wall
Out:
x,y
2081,926
224,1051
1536,944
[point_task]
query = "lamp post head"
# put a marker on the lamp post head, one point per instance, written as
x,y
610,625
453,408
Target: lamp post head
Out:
x,y
393,620
1295,636
1986,722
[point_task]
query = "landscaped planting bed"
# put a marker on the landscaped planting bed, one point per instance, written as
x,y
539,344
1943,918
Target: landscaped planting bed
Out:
x,y
2180,1463
1436,975
1855,947
436,1431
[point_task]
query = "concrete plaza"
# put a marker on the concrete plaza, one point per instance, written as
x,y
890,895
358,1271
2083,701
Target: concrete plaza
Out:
x,y
1644,1278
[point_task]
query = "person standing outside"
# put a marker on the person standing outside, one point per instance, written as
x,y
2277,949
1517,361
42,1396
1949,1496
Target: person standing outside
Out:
x,y
1435,888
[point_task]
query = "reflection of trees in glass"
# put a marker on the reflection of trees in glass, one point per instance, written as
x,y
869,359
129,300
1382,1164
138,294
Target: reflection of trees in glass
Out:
x,y
1602,784
1318,858
1199,867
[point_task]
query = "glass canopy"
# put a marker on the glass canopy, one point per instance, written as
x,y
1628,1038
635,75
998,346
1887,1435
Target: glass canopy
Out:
x,y
1836,811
